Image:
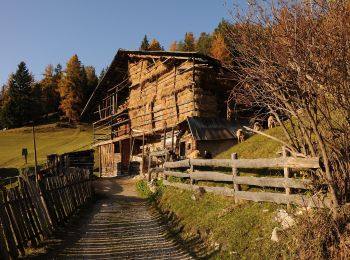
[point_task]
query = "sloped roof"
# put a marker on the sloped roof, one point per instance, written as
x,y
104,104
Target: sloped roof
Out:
x,y
117,70
205,129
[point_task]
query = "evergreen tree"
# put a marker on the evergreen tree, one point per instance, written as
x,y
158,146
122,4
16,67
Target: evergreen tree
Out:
x,y
71,88
154,45
2,95
49,89
58,72
189,42
173,46
19,108
222,27
144,44
203,44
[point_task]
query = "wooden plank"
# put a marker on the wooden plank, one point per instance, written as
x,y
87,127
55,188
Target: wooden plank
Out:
x,y
39,207
273,182
28,221
286,173
159,153
290,162
15,223
34,223
45,196
176,174
210,176
6,225
301,200
4,254
216,190
16,207
235,174
211,162
178,164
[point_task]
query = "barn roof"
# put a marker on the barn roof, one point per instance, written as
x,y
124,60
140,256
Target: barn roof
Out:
x,y
205,129
117,70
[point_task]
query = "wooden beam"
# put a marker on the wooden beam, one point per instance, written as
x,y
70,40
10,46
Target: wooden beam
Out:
x,y
210,176
177,174
290,162
273,182
178,164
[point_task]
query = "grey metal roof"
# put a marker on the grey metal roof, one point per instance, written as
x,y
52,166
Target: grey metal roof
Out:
x,y
212,128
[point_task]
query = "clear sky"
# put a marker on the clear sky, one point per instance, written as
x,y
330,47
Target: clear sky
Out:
x,y
41,32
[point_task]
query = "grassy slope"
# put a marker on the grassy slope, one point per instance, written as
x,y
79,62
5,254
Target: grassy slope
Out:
x,y
257,146
49,139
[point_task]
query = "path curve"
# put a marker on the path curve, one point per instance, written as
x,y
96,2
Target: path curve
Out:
x,y
120,225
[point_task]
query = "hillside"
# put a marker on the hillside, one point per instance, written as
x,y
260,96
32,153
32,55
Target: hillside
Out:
x,y
257,146
49,139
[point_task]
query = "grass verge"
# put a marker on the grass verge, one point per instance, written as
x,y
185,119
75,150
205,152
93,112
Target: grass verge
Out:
x,y
214,227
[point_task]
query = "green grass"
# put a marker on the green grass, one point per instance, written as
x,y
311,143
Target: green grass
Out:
x,y
49,139
240,231
257,146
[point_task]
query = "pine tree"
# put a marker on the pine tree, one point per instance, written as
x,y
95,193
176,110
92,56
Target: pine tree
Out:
x,y
19,108
173,46
154,45
189,42
144,44
49,89
219,49
71,89
203,44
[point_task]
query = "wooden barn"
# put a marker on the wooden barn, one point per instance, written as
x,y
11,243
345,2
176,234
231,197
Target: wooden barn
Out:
x,y
155,101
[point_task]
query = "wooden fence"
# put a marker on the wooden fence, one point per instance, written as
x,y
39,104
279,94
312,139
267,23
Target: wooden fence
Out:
x,y
287,184
30,212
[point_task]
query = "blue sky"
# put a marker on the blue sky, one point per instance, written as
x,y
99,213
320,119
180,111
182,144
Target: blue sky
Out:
x,y
41,32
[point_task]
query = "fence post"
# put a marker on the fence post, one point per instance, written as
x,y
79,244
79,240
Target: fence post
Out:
x,y
236,187
149,167
286,172
191,171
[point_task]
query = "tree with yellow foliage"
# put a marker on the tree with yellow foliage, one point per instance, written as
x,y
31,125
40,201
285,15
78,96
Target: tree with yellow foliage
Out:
x,y
219,49
154,45
71,89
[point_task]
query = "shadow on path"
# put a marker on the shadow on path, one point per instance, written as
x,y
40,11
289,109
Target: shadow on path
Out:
x,y
119,225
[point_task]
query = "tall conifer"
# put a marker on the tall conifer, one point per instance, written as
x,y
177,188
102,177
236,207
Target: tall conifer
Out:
x,y
71,89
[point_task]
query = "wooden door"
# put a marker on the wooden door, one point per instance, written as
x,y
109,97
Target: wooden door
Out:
x,y
125,155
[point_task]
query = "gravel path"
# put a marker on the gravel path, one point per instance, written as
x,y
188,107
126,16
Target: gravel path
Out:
x,y
120,225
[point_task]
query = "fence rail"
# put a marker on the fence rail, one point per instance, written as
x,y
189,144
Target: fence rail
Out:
x,y
30,212
287,183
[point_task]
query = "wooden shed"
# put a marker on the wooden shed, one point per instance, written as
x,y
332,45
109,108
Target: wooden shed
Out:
x,y
154,100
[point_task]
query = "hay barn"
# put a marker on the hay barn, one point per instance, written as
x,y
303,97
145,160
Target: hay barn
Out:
x,y
153,101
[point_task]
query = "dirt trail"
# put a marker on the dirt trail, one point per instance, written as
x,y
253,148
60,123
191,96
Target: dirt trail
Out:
x,y
120,225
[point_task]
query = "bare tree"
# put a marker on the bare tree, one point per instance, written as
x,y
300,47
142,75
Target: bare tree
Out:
x,y
293,59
